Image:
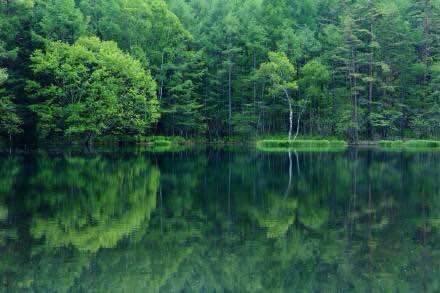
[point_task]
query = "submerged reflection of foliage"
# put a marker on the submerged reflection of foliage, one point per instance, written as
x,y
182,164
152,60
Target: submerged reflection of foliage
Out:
x,y
10,167
149,263
91,203
224,222
358,228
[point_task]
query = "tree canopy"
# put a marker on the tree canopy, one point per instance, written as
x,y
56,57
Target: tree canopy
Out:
x,y
365,70
89,89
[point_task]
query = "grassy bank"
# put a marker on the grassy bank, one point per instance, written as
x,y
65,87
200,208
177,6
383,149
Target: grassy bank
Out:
x,y
306,144
409,144
164,143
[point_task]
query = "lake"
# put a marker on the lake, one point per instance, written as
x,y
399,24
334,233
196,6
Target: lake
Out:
x,y
218,220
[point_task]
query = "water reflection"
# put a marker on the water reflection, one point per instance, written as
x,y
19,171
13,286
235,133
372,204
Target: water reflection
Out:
x,y
212,220
90,203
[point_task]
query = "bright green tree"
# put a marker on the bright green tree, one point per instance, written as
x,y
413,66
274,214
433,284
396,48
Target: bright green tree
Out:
x,y
10,122
280,75
313,82
89,89
59,20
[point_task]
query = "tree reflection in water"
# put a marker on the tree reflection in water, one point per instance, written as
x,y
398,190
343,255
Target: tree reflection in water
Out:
x,y
359,220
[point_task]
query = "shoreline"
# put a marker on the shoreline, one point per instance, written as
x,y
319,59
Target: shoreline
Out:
x,y
164,143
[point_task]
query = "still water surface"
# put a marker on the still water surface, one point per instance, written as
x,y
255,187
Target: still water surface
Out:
x,y
220,221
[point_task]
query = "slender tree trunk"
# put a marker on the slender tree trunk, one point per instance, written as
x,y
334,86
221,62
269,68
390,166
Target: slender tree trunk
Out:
x,y
355,97
370,99
370,85
161,79
291,118
290,114
297,163
297,123
356,130
254,82
255,92
261,111
10,143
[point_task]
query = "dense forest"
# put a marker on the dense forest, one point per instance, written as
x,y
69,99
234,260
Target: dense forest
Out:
x,y
79,70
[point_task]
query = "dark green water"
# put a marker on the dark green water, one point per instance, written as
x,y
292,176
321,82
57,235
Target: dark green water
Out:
x,y
216,221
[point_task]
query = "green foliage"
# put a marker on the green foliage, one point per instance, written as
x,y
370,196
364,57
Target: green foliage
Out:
x,y
90,89
279,73
364,70
10,121
410,144
422,143
220,221
162,144
313,86
107,211
60,20
280,215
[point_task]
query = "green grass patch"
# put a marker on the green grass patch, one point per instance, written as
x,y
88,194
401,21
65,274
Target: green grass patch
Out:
x,y
302,149
163,140
302,144
160,144
423,144
410,144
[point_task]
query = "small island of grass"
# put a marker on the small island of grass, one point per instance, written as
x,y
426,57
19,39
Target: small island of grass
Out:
x,y
164,143
409,144
300,144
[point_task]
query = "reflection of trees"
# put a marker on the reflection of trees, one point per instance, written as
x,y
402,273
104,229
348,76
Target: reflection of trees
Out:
x,y
145,265
369,241
279,215
77,205
9,169
223,222
91,203
148,263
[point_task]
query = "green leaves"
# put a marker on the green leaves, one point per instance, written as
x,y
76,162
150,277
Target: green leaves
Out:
x,y
314,75
95,88
10,122
279,73
60,20
3,75
204,56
